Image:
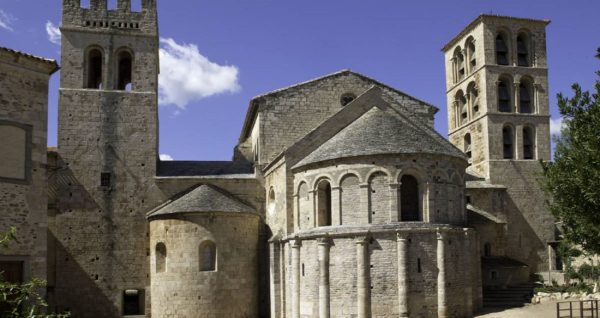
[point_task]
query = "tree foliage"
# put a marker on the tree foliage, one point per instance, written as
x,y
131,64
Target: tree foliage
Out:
x,y
573,179
22,300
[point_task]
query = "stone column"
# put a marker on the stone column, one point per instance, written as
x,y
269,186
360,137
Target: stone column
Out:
x,y
364,201
517,94
315,209
274,257
402,274
363,287
336,206
536,98
441,283
282,280
394,202
296,216
296,244
426,209
324,301
469,273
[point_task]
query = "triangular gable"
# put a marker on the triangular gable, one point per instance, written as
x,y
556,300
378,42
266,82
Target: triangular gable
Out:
x,y
202,198
349,114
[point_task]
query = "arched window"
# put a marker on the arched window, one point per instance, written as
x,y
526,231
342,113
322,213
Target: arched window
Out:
x,y
528,143
473,99
208,256
94,69
507,142
471,54
409,199
502,55
459,62
124,70
525,97
161,257
467,145
504,96
523,50
461,107
271,202
324,203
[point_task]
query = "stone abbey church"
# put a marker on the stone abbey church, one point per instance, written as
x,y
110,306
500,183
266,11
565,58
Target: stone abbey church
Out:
x,y
341,199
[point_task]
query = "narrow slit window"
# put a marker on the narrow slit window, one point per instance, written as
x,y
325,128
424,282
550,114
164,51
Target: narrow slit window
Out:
x,y
208,256
467,145
105,179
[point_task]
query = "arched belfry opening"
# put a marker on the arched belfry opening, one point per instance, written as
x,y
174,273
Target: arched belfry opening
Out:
x,y
324,203
94,69
409,199
124,70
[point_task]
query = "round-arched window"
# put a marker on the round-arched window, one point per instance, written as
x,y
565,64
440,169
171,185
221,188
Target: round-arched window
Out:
x,y
271,201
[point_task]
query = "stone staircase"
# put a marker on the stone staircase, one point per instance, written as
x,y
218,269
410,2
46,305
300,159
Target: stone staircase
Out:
x,y
512,296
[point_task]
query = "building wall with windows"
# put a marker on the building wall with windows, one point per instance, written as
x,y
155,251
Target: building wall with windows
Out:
x,y
23,137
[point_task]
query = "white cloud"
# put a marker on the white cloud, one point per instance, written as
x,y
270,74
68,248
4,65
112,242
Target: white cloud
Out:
x,y
165,157
186,75
53,33
6,20
556,125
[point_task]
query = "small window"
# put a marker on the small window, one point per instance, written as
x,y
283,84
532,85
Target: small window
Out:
x,y
208,256
467,145
271,203
347,99
161,258
419,265
504,97
94,69
528,143
105,179
133,302
124,64
501,50
461,106
494,275
507,141
459,62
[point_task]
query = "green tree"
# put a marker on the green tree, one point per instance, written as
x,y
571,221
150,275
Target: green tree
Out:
x,y
573,179
22,300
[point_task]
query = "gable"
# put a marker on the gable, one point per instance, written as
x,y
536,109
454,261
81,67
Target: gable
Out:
x,y
287,115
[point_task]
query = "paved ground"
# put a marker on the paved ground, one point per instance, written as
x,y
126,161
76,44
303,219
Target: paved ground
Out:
x,y
530,311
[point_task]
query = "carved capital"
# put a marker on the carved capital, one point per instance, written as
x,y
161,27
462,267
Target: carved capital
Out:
x,y
296,242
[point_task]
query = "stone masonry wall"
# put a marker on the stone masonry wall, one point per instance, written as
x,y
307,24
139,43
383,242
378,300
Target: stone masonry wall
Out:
x,y
24,101
289,115
182,290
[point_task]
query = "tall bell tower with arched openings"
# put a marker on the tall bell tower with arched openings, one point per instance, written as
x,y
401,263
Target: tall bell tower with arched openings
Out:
x,y
498,114
107,152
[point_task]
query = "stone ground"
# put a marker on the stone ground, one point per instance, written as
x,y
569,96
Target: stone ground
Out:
x,y
529,311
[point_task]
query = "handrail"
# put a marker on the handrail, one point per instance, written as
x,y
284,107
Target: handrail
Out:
x,y
580,309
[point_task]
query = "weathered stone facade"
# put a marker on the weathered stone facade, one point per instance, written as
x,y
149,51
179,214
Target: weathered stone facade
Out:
x,y
341,201
498,111
23,183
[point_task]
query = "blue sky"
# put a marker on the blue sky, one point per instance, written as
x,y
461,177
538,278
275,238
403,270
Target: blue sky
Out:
x,y
241,48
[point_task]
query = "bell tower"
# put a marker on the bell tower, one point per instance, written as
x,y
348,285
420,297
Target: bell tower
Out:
x,y
498,114
497,93
107,147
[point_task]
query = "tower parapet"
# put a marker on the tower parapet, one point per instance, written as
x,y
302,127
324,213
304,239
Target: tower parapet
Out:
x,y
99,17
